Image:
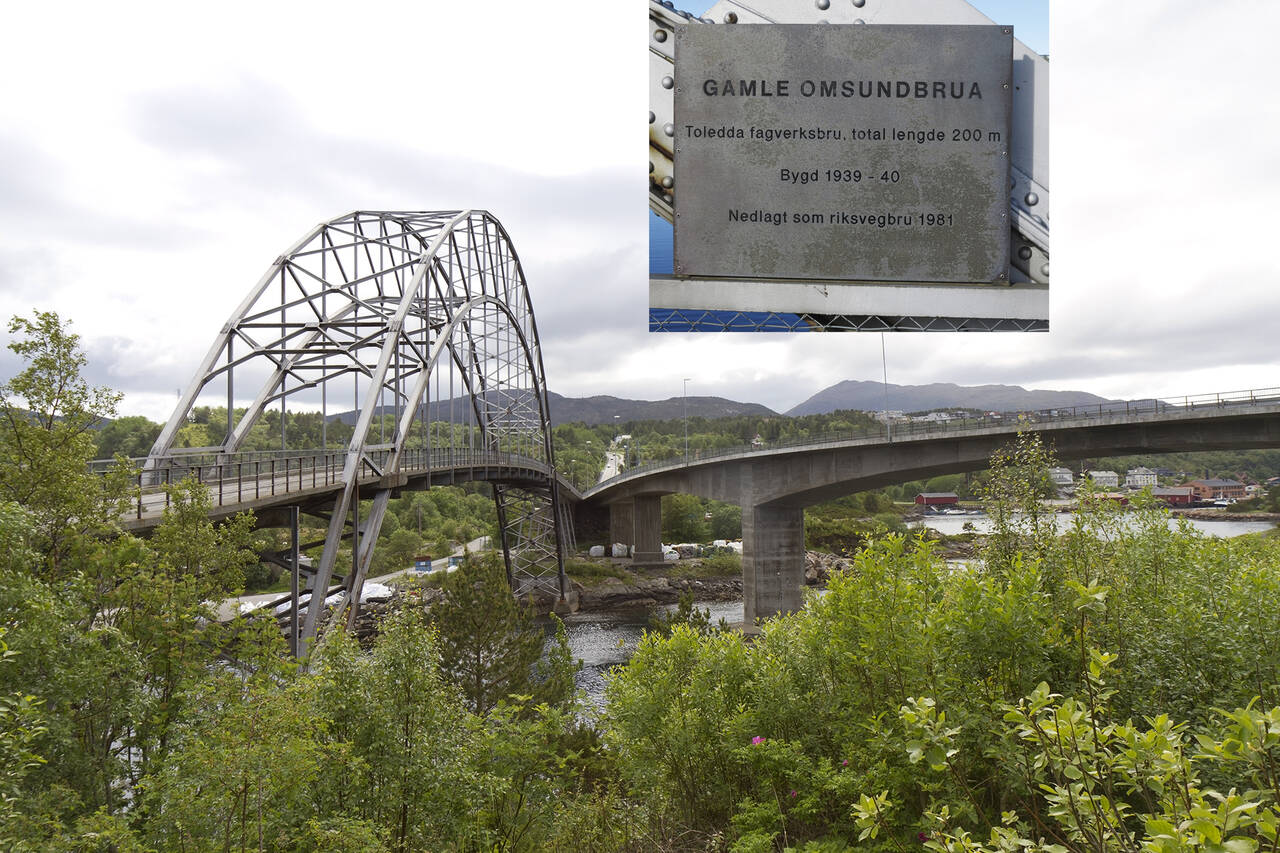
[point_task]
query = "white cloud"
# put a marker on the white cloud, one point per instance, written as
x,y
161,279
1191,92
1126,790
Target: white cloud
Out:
x,y
157,157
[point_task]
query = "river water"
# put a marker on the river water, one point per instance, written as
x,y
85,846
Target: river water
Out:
x,y
604,639
952,525
607,638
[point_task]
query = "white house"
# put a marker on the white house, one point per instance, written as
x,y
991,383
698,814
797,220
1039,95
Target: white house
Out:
x,y
1105,478
1061,476
1136,478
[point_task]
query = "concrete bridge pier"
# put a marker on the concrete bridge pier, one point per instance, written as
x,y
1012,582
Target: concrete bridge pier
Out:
x,y
638,522
772,562
647,514
622,523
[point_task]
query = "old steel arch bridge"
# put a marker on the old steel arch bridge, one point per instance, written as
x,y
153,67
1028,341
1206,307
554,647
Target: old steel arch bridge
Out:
x,y
417,327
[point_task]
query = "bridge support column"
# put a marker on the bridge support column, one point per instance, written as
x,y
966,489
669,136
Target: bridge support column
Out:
x,y
647,515
622,523
772,562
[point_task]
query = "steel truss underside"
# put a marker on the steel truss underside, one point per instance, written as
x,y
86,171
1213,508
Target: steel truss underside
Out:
x,y
705,320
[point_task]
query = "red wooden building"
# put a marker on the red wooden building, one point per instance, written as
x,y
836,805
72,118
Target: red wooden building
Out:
x,y
937,499
1176,496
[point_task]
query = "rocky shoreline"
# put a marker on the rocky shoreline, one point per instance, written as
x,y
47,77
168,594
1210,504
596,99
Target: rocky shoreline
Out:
x,y
653,587
1204,514
650,588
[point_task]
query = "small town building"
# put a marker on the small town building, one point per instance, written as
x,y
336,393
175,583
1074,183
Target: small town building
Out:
x,y
1175,496
1115,497
1213,489
1061,476
937,499
1105,478
1136,478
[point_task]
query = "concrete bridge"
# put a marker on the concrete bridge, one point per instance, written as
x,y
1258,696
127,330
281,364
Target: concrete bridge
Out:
x,y
774,485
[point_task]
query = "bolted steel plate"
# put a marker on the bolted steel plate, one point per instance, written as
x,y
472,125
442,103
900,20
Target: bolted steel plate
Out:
x,y
860,153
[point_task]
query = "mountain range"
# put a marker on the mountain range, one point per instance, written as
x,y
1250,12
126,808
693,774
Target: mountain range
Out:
x,y
873,397
850,394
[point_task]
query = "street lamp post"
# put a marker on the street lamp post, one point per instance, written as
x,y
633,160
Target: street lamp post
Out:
x,y
685,410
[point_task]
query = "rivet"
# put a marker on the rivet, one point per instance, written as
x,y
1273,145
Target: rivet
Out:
x,y
1039,220
650,167
1004,85
668,4
731,17
1007,31
1044,270
659,35
652,117
668,199
858,21
669,129
1025,253
1031,199
668,82
667,183
824,5
859,3
823,21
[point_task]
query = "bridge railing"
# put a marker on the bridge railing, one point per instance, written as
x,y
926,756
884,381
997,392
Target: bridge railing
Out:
x,y
913,430
236,478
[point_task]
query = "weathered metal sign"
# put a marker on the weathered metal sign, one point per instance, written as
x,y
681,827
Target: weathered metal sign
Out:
x,y
872,153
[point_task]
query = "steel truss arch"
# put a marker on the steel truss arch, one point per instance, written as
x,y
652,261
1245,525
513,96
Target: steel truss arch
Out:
x,y
429,315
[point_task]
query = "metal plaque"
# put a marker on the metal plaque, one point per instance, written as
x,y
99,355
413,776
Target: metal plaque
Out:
x,y
862,153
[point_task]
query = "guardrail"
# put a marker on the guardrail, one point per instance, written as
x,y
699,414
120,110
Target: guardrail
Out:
x,y
915,429
236,478
254,474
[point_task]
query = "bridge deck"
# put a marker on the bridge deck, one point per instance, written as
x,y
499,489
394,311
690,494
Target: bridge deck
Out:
x,y
263,481
1198,409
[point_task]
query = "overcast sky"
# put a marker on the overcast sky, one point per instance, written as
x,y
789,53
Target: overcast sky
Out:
x,y
155,159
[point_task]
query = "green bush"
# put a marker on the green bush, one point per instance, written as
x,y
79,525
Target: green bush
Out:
x,y
911,700
589,572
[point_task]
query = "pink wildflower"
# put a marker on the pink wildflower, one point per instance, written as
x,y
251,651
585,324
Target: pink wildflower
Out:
x,y
793,793
757,740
